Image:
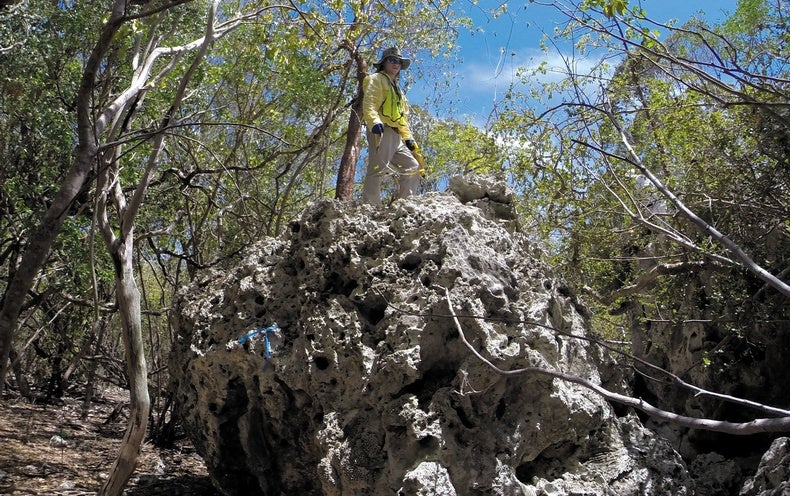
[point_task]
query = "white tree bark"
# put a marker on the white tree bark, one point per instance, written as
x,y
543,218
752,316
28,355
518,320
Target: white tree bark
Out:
x,y
128,297
121,248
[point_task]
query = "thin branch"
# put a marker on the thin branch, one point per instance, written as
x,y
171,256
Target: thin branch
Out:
x,y
129,215
671,233
761,425
750,264
698,391
35,335
646,278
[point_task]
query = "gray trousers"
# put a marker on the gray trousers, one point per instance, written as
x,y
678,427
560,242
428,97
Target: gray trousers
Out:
x,y
391,158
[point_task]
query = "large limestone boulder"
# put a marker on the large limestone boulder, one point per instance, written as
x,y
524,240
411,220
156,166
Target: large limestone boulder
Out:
x,y
368,389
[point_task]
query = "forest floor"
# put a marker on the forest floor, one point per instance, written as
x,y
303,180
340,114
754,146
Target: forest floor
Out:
x,y
51,450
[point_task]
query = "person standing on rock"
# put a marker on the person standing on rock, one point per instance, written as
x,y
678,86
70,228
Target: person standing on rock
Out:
x,y
391,145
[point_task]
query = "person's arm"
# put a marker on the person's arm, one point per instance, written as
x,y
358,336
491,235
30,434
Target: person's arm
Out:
x,y
374,93
405,130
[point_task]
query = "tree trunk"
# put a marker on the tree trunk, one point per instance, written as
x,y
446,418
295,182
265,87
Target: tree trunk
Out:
x,y
41,241
21,380
348,163
37,252
136,369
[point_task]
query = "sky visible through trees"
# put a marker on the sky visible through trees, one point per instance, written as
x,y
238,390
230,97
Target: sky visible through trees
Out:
x,y
496,46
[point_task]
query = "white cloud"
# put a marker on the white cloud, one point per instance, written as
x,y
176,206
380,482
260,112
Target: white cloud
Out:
x,y
486,78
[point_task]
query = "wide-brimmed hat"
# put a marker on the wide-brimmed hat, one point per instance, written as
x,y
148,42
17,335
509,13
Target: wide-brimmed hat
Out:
x,y
392,52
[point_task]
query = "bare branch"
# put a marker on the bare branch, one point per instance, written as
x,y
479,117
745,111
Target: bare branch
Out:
x,y
143,79
750,264
651,275
153,160
698,391
673,234
781,424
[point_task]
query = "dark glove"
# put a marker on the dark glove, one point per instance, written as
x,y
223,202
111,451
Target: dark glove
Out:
x,y
378,128
411,145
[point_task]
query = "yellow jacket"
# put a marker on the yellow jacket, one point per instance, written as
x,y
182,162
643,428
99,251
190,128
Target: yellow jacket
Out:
x,y
386,104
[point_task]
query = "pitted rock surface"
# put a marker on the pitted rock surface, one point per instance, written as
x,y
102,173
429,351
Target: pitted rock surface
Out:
x,y
371,391
773,473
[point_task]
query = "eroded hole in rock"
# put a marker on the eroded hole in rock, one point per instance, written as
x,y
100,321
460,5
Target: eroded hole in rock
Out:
x,y
410,262
551,464
321,363
416,388
372,336
463,417
542,467
526,472
236,400
336,284
425,387
368,249
429,442
500,409
257,439
231,474
372,309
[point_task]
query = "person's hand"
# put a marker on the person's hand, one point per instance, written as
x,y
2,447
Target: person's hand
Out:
x,y
378,128
415,151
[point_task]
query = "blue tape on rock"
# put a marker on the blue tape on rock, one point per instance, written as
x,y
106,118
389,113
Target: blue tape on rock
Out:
x,y
267,343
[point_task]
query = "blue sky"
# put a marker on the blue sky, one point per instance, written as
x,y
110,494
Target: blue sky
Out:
x,y
485,72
